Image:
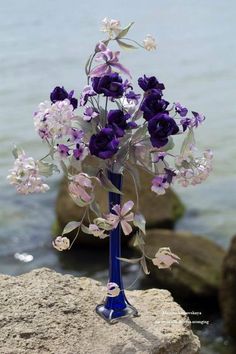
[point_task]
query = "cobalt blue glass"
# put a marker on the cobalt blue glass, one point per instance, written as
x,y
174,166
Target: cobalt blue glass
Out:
x,y
116,307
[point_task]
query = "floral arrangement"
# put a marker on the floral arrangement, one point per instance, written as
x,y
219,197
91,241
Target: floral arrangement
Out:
x,y
121,129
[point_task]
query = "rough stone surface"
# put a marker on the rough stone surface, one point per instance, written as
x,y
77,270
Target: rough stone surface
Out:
x,y
161,211
199,271
228,289
44,312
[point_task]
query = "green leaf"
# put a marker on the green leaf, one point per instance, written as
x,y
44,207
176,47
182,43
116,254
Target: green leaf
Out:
x,y
169,146
132,261
144,265
94,206
107,185
124,31
138,241
85,229
125,45
16,152
140,222
134,172
106,42
70,227
46,169
139,133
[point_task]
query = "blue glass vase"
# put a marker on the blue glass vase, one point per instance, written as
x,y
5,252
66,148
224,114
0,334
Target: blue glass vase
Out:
x,y
118,306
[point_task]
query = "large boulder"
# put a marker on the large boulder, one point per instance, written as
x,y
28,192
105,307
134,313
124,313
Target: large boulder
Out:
x,y
162,211
228,289
45,312
199,271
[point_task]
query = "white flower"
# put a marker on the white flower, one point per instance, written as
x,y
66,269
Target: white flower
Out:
x,y
25,176
129,105
111,26
193,170
149,43
54,120
61,243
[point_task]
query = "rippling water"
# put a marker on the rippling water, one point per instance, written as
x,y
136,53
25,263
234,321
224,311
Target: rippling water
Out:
x,y
45,43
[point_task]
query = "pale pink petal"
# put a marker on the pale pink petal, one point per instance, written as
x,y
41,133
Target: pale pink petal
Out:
x,y
84,180
117,209
113,219
129,217
121,68
127,229
78,191
127,207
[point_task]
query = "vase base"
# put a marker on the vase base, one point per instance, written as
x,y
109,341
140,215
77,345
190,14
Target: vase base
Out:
x,y
113,316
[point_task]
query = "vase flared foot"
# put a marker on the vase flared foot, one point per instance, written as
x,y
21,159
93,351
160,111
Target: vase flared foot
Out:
x,y
113,316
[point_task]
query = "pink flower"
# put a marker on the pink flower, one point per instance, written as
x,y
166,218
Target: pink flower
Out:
x,y
61,243
164,258
81,188
111,61
96,231
122,216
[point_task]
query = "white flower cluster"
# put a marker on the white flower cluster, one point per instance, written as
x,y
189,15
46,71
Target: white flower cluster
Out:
x,y
25,176
54,120
112,27
149,43
192,171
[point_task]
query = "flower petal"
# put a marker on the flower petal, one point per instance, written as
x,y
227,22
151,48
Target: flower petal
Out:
x,y
127,207
127,229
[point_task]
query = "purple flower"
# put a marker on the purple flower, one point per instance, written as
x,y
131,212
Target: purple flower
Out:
x,y
117,120
78,151
148,83
186,122
90,113
192,122
132,96
111,61
180,109
160,128
60,94
86,93
169,175
110,85
75,134
153,104
197,119
63,150
104,144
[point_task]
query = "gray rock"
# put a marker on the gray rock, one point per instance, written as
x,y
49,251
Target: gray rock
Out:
x,y
228,289
199,271
45,312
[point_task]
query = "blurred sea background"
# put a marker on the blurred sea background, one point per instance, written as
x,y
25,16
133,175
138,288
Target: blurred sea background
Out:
x,y
46,43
